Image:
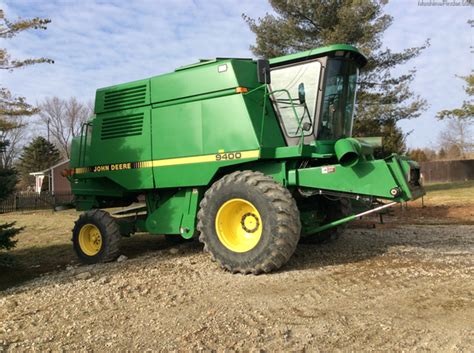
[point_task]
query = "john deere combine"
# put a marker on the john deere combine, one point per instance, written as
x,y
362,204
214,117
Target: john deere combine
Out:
x,y
248,155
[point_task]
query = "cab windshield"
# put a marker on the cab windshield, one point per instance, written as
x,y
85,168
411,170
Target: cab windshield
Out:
x,y
338,100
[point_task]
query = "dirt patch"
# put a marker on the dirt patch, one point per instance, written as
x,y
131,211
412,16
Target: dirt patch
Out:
x,y
442,214
394,288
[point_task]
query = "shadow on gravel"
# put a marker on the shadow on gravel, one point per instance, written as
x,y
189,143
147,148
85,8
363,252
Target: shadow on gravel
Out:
x,y
21,265
353,246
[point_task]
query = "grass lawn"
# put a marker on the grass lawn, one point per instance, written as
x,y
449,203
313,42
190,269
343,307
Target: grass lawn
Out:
x,y
459,193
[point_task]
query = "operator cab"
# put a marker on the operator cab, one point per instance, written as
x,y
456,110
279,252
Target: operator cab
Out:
x,y
313,93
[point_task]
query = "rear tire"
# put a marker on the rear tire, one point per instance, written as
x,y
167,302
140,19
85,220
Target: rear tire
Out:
x,y
249,223
96,237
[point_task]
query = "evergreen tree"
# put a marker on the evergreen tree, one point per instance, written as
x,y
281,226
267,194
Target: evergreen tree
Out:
x,y
466,111
11,105
8,179
39,155
383,98
7,233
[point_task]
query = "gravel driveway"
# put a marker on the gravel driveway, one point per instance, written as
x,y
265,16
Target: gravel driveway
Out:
x,y
405,288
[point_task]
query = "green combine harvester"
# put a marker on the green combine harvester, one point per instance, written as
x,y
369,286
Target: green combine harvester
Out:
x,y
247,155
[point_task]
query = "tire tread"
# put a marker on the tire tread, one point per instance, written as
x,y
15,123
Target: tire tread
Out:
x,y
287,220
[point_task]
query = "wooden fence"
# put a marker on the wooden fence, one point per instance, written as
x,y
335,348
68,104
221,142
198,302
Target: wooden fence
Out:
x,y
447,171
34,201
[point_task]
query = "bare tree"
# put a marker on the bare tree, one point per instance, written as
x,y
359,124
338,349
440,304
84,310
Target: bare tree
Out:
x,y
458,134
63,120
13,143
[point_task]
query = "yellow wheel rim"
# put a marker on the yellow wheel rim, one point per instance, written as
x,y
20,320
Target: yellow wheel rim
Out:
x,y
238,225
90,239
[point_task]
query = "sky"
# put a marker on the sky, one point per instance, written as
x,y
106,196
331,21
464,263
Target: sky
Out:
x,y
97,43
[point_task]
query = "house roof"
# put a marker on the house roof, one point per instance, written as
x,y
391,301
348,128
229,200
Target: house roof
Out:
x,y
52,167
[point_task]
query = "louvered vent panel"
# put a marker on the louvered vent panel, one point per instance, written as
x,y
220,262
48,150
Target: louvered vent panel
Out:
x,y
122,126
124,98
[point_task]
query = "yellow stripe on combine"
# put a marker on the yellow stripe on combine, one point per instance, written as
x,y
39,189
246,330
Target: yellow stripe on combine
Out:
x,y
147,164
206,158
81,170
216,157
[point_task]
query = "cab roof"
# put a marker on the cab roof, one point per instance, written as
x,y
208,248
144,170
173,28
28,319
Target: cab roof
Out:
x,y
208,61
346,49
317,52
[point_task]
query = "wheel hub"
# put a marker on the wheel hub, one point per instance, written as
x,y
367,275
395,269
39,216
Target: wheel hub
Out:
x,y
250,222
238,225
90,239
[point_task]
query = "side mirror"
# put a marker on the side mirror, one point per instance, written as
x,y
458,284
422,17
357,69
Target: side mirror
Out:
x,y
263,71
301,93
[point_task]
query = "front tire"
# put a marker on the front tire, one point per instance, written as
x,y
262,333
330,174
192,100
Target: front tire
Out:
x,y
96,237
249,223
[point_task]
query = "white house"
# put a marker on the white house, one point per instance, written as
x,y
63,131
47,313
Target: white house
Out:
x,y
58,183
